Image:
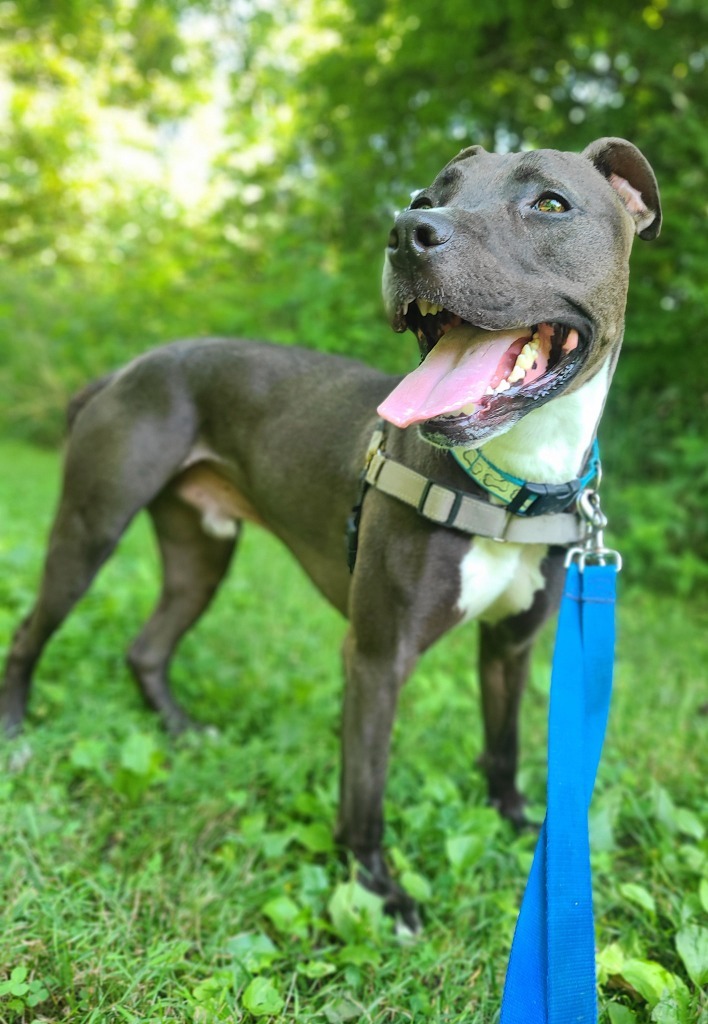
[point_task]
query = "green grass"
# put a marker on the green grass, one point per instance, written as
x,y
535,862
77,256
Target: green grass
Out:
x,y
144,879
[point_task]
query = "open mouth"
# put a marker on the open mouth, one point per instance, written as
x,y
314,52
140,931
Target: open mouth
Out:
x,y
472,381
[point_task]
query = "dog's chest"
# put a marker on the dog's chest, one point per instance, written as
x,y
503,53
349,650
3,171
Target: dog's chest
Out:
x,y
499,579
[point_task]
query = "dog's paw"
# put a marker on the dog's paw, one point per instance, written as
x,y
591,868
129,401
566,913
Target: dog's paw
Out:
x,y
19,757
512,807
397,903
177,722
404,911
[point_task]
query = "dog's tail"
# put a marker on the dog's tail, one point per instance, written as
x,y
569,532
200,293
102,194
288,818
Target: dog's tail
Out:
x,y
83,397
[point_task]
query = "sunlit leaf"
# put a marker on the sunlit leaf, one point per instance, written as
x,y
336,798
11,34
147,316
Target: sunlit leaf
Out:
x,y
262,998
692,946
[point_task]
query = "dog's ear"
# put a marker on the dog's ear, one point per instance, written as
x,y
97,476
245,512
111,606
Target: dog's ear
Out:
x,y
630,174
465,154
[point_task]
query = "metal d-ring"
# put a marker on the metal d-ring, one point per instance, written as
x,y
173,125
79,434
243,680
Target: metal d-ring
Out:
x,y
593,551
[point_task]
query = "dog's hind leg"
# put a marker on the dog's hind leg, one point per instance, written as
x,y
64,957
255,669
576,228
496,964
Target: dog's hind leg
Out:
x,y
68,572
80,542
505,650
194,564
115,465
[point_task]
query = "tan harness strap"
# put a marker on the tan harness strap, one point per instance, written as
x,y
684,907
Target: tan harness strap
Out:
x,y
459,511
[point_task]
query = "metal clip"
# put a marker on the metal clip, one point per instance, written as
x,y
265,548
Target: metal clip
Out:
x,y
593,551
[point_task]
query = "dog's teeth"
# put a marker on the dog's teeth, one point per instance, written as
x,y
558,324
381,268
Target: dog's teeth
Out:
x,y
529,354
404,308
490,390
525,361
466,410
428,308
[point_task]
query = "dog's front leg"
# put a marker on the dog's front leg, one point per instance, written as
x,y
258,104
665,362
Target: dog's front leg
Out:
x,y
373,681
403,598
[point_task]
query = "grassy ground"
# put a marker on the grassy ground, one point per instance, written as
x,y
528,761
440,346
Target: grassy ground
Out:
x,y
144,879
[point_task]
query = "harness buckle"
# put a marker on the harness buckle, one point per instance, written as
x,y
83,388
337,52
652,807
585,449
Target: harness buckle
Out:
x,y
541,499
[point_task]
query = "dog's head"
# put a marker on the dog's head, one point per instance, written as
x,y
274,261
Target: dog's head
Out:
x,y
512,272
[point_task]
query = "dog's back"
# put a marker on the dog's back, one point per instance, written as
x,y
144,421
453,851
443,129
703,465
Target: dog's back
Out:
x,y
81,399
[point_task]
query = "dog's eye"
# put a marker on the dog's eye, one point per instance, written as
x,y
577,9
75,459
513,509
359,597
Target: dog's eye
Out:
x,y
421,203
550,202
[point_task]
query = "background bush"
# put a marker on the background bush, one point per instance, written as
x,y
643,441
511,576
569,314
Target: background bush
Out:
x,y
327,116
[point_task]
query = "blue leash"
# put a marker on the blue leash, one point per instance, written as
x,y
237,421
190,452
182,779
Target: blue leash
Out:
x,y
551,973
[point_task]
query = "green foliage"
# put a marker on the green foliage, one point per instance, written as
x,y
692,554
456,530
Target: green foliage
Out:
x,y
658,512
20,994
692,947
356,915
516,75
333,113
262,998
144,879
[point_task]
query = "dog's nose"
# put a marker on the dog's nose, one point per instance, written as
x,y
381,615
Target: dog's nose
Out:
x,y
418,233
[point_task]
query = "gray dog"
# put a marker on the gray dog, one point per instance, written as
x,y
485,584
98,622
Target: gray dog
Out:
x,y
512,272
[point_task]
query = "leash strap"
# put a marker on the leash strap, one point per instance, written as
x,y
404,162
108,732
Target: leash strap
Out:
x,y
551,973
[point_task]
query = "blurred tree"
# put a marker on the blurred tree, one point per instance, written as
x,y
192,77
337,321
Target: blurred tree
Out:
x,y
361,101
63,66
335,111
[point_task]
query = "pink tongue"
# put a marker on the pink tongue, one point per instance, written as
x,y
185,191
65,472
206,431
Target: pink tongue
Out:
x,y
457,372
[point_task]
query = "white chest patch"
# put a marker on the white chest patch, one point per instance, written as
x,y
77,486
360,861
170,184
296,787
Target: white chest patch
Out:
x,y
498,580
549,444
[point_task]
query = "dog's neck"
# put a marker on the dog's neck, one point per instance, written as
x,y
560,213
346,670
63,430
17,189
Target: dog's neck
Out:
x,y
550,444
